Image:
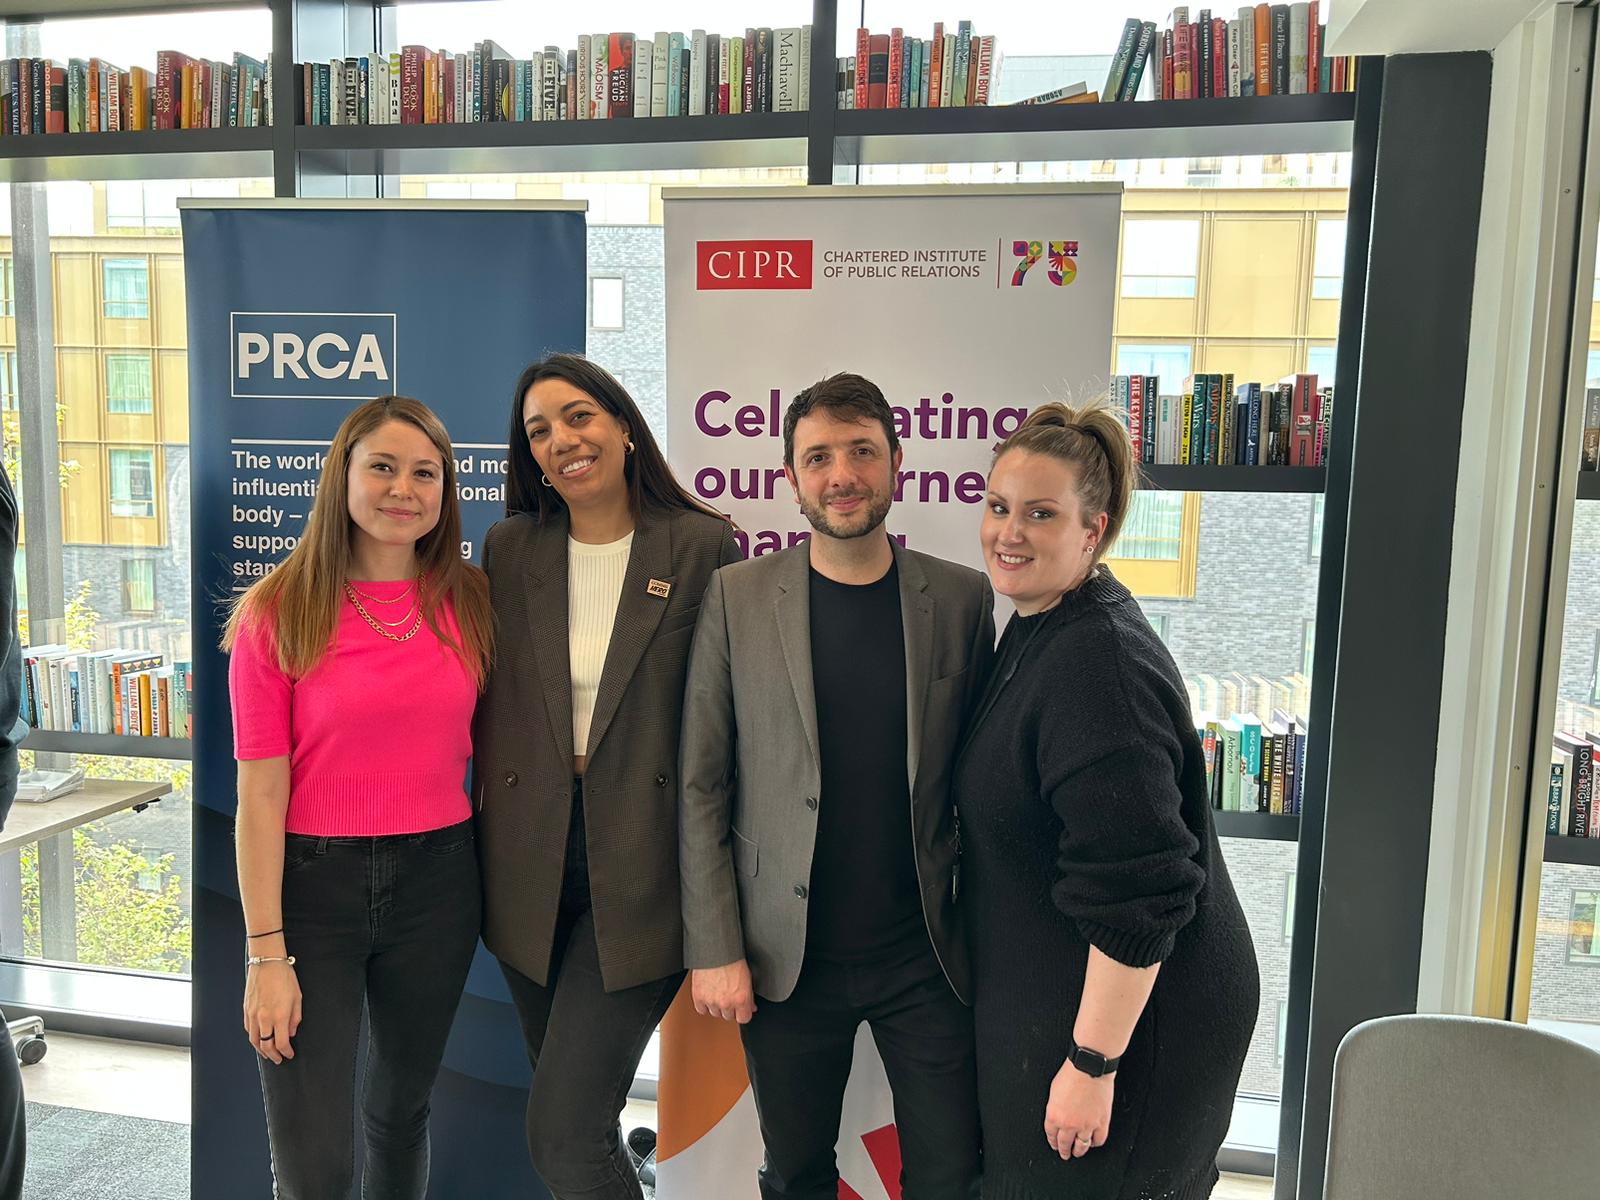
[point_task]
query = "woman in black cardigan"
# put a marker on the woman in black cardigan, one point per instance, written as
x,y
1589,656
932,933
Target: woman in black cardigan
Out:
x,y
1116,984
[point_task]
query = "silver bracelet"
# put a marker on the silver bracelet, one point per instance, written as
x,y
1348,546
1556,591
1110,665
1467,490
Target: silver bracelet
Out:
x,y
257,960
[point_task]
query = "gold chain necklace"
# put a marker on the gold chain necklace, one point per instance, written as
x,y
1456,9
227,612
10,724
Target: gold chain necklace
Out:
x,y
405,595
377,627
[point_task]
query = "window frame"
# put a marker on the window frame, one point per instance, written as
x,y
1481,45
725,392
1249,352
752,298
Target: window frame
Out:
x,y
123,262
130,500
622,302
150,379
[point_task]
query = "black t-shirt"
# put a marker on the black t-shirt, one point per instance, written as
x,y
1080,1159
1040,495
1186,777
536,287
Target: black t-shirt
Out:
x,y
864,896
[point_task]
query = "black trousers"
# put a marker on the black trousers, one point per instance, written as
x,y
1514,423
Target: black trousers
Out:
x,y
13,1118
389,925
585,1044
799,1051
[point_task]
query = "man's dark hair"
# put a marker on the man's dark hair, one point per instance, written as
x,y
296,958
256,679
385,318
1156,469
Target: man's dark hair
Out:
x,y
844,397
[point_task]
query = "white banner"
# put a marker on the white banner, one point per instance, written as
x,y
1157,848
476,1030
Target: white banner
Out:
x,y
968,307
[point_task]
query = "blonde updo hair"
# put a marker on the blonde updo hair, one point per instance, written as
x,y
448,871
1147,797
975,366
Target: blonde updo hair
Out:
x,y
1092,439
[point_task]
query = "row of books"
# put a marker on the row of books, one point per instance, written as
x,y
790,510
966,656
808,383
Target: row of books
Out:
x,y
1266,50
608,75
1237,692
1254,765
124,692
891,70
1572,811
92,95
1213,423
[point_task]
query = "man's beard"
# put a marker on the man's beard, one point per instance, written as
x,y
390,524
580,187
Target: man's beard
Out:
x,y
857,524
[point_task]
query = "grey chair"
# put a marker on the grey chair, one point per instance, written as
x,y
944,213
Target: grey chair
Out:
x,y
1462,1108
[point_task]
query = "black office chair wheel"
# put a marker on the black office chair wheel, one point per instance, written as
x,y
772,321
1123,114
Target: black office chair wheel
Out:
x,y
31,1050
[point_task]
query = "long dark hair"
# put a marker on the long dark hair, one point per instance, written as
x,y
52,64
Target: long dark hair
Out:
x,y
651,483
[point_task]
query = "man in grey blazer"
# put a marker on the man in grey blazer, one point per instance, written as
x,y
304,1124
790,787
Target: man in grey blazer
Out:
x,y
818,846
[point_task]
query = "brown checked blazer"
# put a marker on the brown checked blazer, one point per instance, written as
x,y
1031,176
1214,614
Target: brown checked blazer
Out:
x,y
522,744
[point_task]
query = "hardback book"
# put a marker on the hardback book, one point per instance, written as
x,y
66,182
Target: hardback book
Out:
x,y
619,70
1127,44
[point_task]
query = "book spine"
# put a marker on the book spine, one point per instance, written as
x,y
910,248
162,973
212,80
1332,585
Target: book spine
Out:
x,y
658,74
1234,79
765,67
786,77
619,67
803,99
1553,805
936,67
1298,39
1313,46
1247,52
1122,59
959,95
1136,67
896,73
1280,49
599,74
1583,794
1261,39
644,54
411,85
863,66
697,74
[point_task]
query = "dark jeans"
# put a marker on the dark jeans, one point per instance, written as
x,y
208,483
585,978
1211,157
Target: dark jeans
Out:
x,y
13,1118
389,924
585,1044
799,1051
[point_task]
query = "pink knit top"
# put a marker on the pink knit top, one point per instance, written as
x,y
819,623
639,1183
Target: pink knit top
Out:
x,y
378,734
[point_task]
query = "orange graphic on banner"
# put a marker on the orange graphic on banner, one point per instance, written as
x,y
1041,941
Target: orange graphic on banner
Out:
x,y
702,1075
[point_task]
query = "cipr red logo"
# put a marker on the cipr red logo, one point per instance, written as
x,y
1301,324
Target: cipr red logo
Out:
x,y
753,266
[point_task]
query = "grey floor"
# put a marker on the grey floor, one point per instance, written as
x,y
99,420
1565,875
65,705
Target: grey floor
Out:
x,y
75,1154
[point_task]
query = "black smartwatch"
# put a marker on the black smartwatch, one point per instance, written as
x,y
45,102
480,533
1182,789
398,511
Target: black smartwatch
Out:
x,y
1091,1062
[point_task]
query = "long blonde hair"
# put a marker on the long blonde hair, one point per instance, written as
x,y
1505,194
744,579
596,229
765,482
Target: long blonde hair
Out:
x,y
1091,438
298,602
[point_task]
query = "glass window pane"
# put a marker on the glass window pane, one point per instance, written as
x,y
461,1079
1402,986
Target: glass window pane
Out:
x,y
1153,528
1327,283
1169,363
133,490
1159,256
605,303
127,287
128,383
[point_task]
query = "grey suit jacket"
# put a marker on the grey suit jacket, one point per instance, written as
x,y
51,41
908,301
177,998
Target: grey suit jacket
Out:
x,y
751,775
522,745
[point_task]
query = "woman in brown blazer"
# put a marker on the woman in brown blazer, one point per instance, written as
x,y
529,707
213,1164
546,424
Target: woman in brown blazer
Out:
x,y
595,578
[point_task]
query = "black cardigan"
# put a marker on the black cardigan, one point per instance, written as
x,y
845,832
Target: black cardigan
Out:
x,y
1086,821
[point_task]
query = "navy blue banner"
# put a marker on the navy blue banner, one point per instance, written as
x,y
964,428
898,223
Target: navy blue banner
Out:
x,y
297,313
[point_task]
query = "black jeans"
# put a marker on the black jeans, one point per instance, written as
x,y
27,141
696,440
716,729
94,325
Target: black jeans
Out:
x,y
585,1044
799,1051
13,1118
388,924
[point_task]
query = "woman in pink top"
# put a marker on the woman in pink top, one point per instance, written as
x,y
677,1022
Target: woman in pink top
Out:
x,y
355,670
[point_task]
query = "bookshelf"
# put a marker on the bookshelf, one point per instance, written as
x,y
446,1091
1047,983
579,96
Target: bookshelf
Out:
x,y
146,154
632,144
1315,123
1169,478
53,741
1573,851
1272,827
